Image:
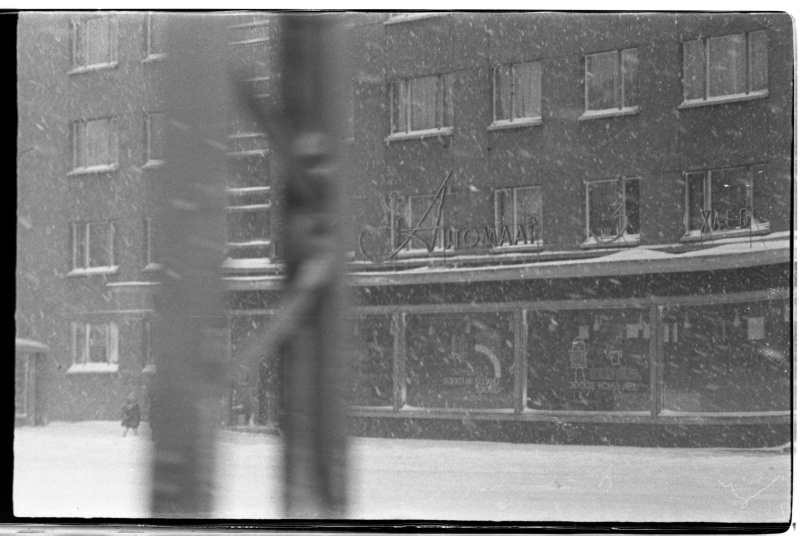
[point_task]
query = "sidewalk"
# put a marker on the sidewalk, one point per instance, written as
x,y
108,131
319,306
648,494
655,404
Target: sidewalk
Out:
x,y
88,469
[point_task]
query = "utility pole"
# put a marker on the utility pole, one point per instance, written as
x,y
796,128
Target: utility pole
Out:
x,y
191,332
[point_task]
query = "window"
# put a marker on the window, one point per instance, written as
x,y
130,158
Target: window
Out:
x,y
518,91
612,210
93,246
719,200
95,344
611,81
148,355
155,129
724,67
150,252
94,42
421,104
154,37
94,145
518,215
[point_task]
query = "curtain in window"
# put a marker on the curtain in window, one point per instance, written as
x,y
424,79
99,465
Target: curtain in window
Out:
x,y
601,81
155,136
98,343
758,61
696,199
603,208
502,92
423,96
632,206
727,58
79,245
79,342
528,203
99,244
630,86
503,208
694,70
527,90
97,142
96,41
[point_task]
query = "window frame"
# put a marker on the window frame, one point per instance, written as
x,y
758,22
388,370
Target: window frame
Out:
x,y
150,54
84,267
80,146
755,225
82,363
707,99
443,114
151,162
619,86
148,354
514,191
150,253
414,246
78,29
622,239
512,122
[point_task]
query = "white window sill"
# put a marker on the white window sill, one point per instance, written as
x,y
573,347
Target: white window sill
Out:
x,y
93,170
154,58
250,42
754,229
408,17
93,68
100,270
614,112
153,164
626,240
93,368
741,97
504,124
149,369
419,134
152,267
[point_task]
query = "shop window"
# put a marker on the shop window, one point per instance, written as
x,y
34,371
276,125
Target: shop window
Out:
x,y
154,133
611,81
589,360
94,345
373,361
719,68
612,212
93,247
460,360
727,358
720,201
94,42
518,92
94,145
148,353
155,46
423,104
518,215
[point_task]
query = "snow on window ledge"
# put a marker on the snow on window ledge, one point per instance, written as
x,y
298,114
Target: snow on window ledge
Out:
x,y
503,124
97,270
94,67
419,134
149,369
756,228
408,17
93,368
93,170
613,112
154,58
626,240
739,97
152,267
153,164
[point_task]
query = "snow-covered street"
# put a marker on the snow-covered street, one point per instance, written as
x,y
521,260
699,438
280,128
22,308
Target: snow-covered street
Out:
x,y
88,470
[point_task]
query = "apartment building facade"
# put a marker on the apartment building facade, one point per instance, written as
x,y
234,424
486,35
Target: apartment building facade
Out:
x,y
556,218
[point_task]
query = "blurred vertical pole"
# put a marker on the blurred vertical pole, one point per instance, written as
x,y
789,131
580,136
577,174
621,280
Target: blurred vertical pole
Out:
x,y
314,71
191,334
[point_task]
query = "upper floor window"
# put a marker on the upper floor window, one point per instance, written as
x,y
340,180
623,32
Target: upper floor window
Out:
x,y
154,37
93,246
611,81
518,215
95,345
720,200
94,145
154,131
518,91
612,211
421,225
148,355
94,42
421,104
150,252
724,67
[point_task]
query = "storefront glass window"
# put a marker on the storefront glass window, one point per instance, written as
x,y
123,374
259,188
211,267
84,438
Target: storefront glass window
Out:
x,y
727,358
589,360
372,365
460,360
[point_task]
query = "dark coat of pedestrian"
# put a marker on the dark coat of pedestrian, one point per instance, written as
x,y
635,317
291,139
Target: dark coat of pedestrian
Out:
x,y
131,416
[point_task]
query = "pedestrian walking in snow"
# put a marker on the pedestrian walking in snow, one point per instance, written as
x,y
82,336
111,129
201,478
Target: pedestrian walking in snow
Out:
x,y
131,416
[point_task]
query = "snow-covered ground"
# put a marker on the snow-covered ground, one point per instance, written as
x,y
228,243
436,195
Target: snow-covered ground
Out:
x,y
88,470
